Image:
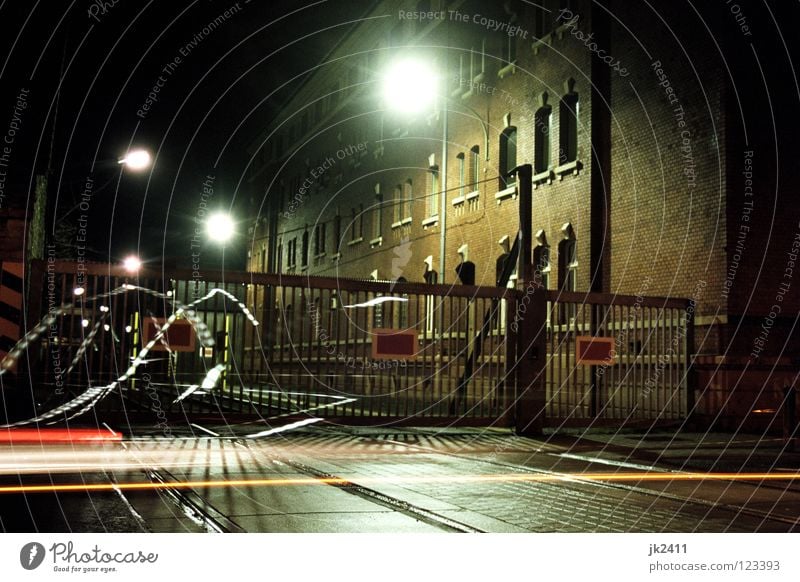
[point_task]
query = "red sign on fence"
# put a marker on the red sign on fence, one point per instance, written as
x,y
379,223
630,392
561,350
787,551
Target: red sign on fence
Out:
x,y
594,351
394,344
179,337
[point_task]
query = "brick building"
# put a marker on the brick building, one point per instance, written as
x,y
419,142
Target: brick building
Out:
x,y
653,170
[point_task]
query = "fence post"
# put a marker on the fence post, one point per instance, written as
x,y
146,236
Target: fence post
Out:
x,y
528,320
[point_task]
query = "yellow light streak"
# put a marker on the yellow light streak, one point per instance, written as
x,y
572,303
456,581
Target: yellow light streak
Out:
x,y
482,478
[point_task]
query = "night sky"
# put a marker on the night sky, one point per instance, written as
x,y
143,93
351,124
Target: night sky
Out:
x,y
196,82
193,82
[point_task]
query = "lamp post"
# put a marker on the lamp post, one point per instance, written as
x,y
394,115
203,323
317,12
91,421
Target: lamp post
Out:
x,y
411,86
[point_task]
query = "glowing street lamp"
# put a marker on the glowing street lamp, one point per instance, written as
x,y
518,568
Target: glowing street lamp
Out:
x,y
132,264
410,86
220,227
136,160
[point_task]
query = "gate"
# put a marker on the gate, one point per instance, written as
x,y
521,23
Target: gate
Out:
x,y
280,346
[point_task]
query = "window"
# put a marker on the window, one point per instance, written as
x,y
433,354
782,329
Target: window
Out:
x,y
567,265
319,239
508,156
304,251
477,60
291,253
397,204
509,50
474,168
377,217
337,232
279,266
408,198
541,139
541,265
433,194
461,174
568,128
357,224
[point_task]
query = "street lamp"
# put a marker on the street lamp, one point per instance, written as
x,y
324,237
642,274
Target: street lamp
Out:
x,y
132,264
411,86
136,160
220,227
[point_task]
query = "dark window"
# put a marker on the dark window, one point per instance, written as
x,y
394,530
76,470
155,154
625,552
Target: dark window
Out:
x,y
541,140
433,194
567,265
337,232
474,168
508,156
568,128
304,252
541,265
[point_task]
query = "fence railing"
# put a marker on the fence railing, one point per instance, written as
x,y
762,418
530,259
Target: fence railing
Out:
x,y
290,345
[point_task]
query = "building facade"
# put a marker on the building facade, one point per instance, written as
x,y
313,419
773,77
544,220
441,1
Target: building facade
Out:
x,y
649,175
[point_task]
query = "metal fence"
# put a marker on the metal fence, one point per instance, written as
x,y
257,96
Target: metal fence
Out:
x,y
290,346
648,377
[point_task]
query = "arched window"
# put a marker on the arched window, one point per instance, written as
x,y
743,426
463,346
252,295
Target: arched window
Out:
x,y
508,156
568,125
304,252
541,260
408,198
541,138
474,168
433,192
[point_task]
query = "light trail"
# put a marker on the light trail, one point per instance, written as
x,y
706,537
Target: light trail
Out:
x,y
56,435
483,478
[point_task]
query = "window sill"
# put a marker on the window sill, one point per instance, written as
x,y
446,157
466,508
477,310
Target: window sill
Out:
x,y
303,268
458,200
376,242
545,177
403,222
573,168
320,255
355,241
509,69
510,192
336,256
473,195
430,221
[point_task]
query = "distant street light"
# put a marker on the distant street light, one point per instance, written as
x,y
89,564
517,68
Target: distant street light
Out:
x,y
220,227
136,160
132,264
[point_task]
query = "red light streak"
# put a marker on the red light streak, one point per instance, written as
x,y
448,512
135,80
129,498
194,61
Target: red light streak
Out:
x,y
58,435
